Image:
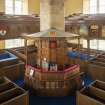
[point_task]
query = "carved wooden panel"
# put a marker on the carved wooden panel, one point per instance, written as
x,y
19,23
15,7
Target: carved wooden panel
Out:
x,y
16,25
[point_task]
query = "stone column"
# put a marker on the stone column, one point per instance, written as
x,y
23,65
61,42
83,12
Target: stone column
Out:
x,y
51,14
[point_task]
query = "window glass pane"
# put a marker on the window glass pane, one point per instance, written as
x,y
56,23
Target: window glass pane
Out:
x,y
94,44
14,6
102,45
12,43
9,6
93,6
101,6
18,6
84,43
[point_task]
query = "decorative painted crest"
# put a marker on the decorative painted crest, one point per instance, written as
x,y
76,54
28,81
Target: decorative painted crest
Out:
x,y
3,32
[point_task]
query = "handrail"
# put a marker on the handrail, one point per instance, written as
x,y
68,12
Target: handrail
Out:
x,y
43,71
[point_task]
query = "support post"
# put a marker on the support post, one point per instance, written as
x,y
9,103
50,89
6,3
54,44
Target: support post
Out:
x,y
26,52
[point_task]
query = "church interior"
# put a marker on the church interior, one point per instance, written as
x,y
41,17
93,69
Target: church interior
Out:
x,y
52,52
